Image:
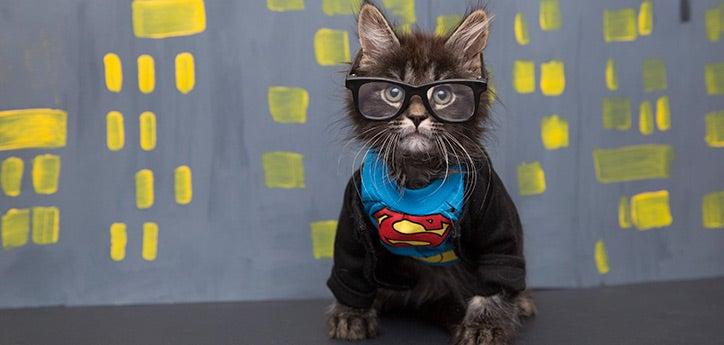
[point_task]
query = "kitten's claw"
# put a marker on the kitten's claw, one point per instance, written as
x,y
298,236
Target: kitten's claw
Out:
x,y
351,324
481,334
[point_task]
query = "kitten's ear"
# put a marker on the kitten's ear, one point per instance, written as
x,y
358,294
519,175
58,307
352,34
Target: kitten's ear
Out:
x,y
375,34
471,36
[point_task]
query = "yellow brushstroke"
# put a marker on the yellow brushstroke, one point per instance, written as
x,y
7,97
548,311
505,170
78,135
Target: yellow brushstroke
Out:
x,y
113,71
554,132
443,24
620,25
714,22
714,78
601,258
146,74
149,251
712,210
144,189
663,114
524,76
654,75
633,163
646,18
651,210
552,78
531,179
283,169
611,75
616,113
323,233
340,7
441,258
331,47
32,128
549,15
46,172
624,213
402,9
288,104
714,124
168,18
285,5
15,228
119,239
11,175
115,131
520,27
185,72
147,131
646,118
182,185
46,225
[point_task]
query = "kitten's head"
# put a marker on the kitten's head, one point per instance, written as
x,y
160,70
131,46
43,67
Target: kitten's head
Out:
x,y
419,58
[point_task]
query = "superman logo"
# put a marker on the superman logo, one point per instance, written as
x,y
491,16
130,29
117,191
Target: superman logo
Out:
x,y
403,230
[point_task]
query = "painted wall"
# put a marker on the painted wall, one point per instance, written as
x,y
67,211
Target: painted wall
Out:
x,y
195,151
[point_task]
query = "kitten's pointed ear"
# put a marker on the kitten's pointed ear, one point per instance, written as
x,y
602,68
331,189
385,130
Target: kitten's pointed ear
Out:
x,y
375,34
471,36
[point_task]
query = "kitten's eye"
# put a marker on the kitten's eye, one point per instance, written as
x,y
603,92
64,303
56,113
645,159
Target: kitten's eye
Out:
x,y
393,94
442,95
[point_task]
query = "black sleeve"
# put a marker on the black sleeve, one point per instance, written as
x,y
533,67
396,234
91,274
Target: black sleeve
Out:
x,y
497,241
350,282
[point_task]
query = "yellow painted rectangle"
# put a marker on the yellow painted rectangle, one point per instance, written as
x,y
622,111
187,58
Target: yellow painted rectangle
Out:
x,y
32,128
113,72
147,131
168,18
340,7
650,210
144,189
654,75
554,132
646,18
443,24
323,233
149,251
552,78
616,113
714,78
115,131
46,172
714,22
146,74
663,114
520,28
285,5
11,175
712,210
46,225
119,239
620,25
646,118
402,9
601,257
714,123
531,179
611,75
15,228
524,76
624,213
549,15
633,163
183,187
331,47
283,169
288,104
185,72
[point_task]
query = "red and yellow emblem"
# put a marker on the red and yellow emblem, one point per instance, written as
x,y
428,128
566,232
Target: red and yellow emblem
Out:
x,y
403,230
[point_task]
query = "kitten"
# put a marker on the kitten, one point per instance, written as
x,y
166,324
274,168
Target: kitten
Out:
x,y
460,261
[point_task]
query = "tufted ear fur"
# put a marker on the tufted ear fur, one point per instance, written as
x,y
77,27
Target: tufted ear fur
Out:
x,y
470,38
375,33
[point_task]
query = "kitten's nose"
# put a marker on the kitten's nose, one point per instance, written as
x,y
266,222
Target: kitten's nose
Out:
x,y
416,120
416,111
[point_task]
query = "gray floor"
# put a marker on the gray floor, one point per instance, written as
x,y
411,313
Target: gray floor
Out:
x,y
664,313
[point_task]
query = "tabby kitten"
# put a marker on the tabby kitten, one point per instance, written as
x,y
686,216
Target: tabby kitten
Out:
x,y
419,104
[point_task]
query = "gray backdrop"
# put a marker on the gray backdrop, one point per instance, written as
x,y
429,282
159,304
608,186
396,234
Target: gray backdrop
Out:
x,y
238,239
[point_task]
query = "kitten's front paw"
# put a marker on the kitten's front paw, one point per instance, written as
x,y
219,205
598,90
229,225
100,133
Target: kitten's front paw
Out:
x,y
351,324
488,321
